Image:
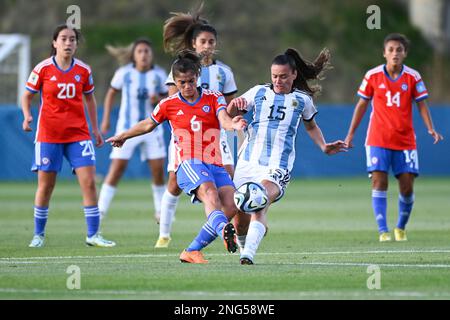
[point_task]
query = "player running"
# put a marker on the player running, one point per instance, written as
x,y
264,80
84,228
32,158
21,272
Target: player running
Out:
x,y
189,31
196,116
391,140
268,152
62,131
142,86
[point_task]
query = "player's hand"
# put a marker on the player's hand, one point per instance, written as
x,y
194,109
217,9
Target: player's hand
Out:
x,y
239,123
104,127
436,136
335,147
26,123
116,141
98,138
240,104
349,141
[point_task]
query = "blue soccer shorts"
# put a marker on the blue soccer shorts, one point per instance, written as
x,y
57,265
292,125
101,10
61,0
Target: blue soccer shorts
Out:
x,y
193,173
401,161
48,157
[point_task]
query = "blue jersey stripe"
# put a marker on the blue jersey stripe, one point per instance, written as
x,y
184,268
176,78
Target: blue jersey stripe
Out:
x,y
142,95
291,134
271,130
127,81
255,123
205,78
223,79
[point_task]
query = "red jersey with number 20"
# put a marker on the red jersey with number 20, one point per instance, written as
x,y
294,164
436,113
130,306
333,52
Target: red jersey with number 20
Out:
x,y
391,120
195,126
62,118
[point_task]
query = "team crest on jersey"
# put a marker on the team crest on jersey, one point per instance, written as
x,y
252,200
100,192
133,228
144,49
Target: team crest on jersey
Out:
x,y
205,173
219,78
206,109
404,87
77,78
295,103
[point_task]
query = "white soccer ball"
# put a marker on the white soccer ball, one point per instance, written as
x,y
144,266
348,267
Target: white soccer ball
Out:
x,y
251,197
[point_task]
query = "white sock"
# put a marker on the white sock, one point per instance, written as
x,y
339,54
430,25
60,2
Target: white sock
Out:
x,y
105,198
255,233
241,241
158,192
169,204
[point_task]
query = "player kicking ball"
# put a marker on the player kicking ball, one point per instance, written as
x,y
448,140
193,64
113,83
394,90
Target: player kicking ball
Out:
x,y
196,116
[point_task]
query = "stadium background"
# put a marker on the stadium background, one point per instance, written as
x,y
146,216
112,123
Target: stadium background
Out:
x,y
248,40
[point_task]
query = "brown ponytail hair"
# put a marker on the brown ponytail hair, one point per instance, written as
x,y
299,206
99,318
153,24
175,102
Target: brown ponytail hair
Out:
x,y
306,70
181,29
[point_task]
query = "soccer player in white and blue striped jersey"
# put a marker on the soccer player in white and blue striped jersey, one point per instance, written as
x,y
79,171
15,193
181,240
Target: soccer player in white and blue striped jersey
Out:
x,y
141,84
268,152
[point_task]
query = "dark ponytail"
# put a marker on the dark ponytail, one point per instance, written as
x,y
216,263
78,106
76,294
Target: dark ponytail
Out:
x,y
182,28
187,60
305,70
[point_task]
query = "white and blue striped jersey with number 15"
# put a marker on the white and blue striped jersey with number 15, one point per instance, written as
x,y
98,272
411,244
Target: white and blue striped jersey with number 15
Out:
x,y
270,139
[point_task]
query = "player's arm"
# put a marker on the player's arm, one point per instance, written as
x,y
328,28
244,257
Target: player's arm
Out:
x,y
91,104
229,123
145,126
237,106
316,135
426,116
26,110
358,114
107,108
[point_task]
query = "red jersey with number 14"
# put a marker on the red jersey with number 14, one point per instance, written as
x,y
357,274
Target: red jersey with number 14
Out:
x,y
391,120
195,126
62,118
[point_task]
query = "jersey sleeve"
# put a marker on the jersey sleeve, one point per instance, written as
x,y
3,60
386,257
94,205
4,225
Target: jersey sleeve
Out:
x,y
118,79
219,103
170,81
34,82
309,111
161,86
420,92
89,87
159,114
365,90
249,96
229,87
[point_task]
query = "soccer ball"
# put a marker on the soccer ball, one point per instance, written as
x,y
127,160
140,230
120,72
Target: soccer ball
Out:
x,y
251,197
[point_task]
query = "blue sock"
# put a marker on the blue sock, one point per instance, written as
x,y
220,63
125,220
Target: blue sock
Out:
x,y
405,204
379,205
92,216
205,237
217,220
40,220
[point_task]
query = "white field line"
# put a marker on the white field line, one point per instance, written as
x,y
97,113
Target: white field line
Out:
x,y
64,259
126,256
238,294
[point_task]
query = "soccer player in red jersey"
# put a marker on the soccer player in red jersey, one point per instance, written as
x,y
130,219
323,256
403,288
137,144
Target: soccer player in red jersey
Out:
x,y
62,130
196,116
391,140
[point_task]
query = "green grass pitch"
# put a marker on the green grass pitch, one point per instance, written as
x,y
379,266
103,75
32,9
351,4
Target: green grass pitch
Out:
x,y
322,238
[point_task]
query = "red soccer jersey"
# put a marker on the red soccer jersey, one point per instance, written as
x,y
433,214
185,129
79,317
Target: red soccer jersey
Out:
x,y
195,126
391,120
62,118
